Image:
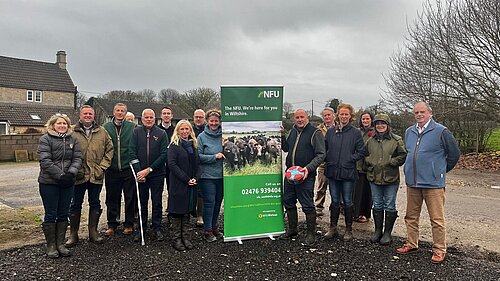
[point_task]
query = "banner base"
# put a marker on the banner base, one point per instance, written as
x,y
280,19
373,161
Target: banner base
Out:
x,y
240,239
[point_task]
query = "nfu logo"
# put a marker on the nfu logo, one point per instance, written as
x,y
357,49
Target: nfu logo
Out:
x,y
269,94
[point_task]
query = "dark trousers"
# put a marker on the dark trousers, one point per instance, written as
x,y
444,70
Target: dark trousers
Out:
x,y
303,192
94,191
56,202
117,183
362,197
155,186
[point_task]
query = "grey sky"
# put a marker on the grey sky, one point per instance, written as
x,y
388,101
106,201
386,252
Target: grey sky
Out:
x,y
317,49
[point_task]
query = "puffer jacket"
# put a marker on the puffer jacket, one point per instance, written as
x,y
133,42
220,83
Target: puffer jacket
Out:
x,y
385,153
58,155
97,150
209,144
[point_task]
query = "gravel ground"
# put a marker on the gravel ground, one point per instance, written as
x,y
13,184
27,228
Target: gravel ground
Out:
x,y
119,258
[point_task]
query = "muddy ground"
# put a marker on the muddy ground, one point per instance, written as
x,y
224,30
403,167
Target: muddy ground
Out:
x,y
473,227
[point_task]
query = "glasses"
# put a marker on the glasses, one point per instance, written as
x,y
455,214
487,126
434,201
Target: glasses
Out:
x,y
199,117
214,113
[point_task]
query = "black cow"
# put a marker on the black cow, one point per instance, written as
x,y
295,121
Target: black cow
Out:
x,y
232,156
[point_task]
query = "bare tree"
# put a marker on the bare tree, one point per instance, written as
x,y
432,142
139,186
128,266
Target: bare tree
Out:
x,y
81,99
451,60
148,95
287,108
121,95
204,98
169,96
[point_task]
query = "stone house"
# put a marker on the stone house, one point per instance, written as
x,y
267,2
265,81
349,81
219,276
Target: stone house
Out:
x,y
32,91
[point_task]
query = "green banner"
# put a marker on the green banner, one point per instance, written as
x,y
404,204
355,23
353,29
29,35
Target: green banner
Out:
x,y
251,119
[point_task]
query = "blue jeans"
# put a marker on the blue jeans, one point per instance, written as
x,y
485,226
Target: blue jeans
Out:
x,y
56,202
384,196
155,184
341,191
94,191
212,191
303,192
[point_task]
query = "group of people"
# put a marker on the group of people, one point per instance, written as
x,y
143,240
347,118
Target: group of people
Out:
x,y
361,168
360,164
130,160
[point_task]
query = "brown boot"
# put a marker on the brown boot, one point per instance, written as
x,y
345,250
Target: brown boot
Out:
x,y
94,215
74,226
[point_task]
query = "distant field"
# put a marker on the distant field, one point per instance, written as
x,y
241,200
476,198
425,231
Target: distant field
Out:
x,y
494,141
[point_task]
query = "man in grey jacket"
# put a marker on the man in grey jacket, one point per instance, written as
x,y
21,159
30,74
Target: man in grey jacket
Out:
x,y
432,152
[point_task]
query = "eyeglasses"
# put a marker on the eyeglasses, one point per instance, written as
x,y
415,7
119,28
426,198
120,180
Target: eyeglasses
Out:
x,y
199,117
214,113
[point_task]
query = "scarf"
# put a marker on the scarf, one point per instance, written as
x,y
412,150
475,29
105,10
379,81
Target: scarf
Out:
x,y
188,146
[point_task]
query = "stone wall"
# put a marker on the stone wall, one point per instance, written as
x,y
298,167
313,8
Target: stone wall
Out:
x,y
10,143
11,95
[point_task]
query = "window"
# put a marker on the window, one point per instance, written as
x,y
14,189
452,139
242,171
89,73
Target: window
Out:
x,y
4,128
38,96
34,96
35,117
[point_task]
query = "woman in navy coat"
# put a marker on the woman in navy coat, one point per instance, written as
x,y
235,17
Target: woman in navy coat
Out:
x,y
183,162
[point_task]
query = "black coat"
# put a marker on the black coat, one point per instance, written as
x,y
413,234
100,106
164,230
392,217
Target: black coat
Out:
x,y
181,196
344,147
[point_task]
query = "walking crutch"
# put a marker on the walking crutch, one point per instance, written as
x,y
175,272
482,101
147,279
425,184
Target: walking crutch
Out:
x,y
138,205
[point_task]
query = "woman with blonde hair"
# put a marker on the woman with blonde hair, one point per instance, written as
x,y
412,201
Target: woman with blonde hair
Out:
x,y
60,159
184,175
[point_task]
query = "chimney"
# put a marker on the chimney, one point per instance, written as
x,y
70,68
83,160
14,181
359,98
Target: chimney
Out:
x,y
61,59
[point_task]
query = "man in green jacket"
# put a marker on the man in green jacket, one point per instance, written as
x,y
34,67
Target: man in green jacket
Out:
x,y
119,177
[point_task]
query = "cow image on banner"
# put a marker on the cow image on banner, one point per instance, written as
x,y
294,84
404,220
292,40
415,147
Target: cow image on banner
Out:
x,y
251,120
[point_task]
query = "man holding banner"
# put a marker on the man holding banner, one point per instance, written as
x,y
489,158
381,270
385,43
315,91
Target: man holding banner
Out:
x,y
306,148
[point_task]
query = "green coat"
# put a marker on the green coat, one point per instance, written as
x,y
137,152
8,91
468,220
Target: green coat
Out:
x,y
384,156
121,143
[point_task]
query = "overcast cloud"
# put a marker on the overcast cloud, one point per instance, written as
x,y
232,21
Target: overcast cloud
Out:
x,y
317,49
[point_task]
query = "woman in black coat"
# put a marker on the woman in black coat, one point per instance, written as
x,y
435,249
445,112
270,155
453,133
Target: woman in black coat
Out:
x,y
183,162
60,158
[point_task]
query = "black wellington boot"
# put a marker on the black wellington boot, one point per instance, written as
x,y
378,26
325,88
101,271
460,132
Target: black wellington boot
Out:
x,y
184,233
293,220
177,234
378,219
390,219
311,229
94,215
49,230
61,228
74,226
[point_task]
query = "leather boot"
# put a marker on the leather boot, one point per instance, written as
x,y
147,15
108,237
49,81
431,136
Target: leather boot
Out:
x,y
199,215
348,224
293,220
177,234
311,229
61,228
49,230
184,233
94,215
390,219
74,226
378,219
334,218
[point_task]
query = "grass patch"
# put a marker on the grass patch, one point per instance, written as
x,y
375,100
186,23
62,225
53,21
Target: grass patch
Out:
x,y
20,226
494,141
255,169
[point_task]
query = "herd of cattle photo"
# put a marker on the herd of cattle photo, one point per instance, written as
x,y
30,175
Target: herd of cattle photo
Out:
x,y
252,153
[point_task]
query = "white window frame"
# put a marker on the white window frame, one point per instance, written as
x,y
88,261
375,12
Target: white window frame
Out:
x,y
38,96
30,95
7,128
34,96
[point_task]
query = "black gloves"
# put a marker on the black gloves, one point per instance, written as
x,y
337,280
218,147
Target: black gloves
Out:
x,y
66,180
